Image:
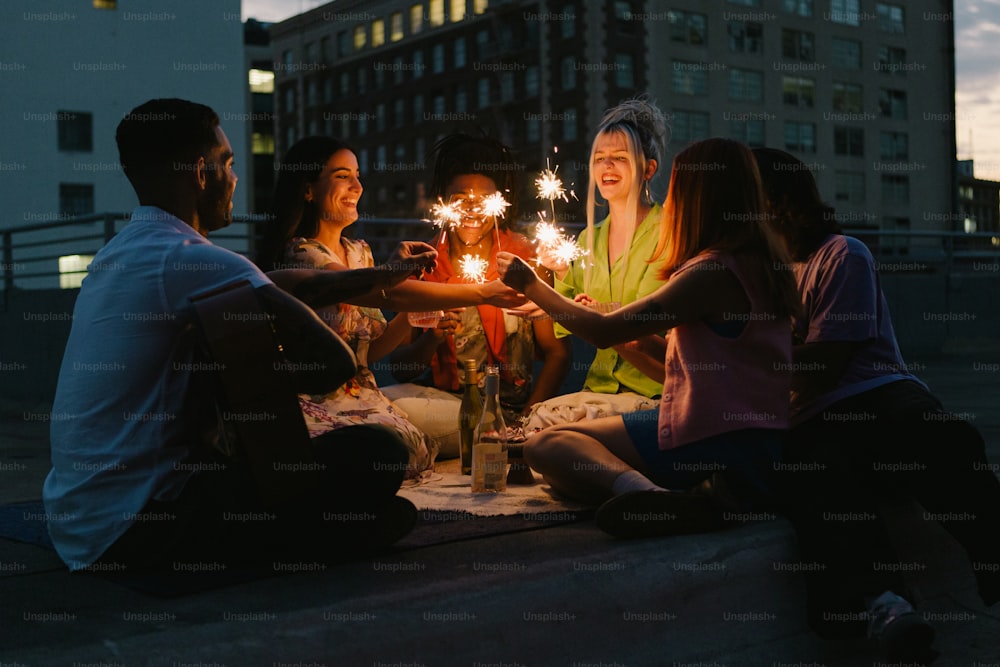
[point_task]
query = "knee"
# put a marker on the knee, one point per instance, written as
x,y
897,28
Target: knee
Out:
x,y
547,445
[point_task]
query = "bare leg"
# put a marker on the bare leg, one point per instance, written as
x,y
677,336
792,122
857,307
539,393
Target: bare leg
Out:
x,y
582,460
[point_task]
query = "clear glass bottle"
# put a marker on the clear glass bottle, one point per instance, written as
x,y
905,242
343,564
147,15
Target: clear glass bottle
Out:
x,y
469,413
489,446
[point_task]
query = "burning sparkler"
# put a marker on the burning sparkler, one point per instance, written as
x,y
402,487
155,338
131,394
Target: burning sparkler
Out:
x,y
473,268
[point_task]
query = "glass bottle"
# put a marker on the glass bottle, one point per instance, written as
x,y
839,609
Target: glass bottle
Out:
x,y
469,413
489,446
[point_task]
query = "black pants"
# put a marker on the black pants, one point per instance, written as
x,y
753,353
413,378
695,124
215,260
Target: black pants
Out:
x,y
218,518
892,441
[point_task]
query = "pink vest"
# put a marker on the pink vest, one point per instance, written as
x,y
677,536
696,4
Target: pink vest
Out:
x,y
716,384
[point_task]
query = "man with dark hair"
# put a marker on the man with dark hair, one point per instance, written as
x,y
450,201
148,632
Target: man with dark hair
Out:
x,y
134,477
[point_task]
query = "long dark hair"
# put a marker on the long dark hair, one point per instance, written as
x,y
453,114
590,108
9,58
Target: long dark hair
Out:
x,y
291,215
797,212
461,154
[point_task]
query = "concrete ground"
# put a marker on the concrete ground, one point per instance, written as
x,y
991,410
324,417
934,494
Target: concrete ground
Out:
x,y
561,596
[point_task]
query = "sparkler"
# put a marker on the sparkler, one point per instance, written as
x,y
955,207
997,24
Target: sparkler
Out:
x,y
552,240
473,268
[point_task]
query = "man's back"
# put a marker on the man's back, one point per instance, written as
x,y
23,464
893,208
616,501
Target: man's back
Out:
x,y
133,392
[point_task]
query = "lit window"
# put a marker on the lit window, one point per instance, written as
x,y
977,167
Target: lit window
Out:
x,y
261,81
396,26
360,37
457,11
798,91
73,268
262,144
105,4
416,18
378,32
479,6
437,12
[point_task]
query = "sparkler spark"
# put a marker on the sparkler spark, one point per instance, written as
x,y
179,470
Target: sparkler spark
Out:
x,y
550,186
493,205
473,268
445,216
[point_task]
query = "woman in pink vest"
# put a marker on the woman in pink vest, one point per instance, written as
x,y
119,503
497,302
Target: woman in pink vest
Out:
x,y
727,304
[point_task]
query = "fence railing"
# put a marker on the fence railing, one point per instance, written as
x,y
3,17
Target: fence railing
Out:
x,y
30,253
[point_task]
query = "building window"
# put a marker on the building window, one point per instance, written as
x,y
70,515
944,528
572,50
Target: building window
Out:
x,y
745,84
380,117
378,32
311,53
569,125
849,186
363,123
797,7
567,27
483,93
418,64
437,105
400,152
105,4
800,137
847,12
73,269
327,91
750,132
362,82
506,86
397,69
689,78
360,37
894,146
748,3
262,144
849,141
378,76
891,59
624,16
418,109
289,99
890,18
746,37
437,58
688,126
345,83
459,52
567,73
437,13
416,18
311,93
479,6
461,100
345,126
798,44
892,103
261,81
396,26
363,161
895,189
76,131
290,136
687,27
798,91
847,97
457,11
845,53
76,199
531,81
624,71
533,130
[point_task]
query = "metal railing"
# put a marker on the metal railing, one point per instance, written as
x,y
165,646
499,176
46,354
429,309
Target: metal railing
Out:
x,y
30,253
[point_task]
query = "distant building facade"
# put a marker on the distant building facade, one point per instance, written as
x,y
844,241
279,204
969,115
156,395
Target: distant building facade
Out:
x,y
862,91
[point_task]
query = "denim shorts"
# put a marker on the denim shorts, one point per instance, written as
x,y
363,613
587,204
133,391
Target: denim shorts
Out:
x,y
746,456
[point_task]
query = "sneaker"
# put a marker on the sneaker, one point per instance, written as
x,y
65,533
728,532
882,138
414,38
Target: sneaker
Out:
x,y
901,633
657,514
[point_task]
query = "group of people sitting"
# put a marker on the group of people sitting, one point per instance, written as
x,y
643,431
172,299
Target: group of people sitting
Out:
x,y
740,338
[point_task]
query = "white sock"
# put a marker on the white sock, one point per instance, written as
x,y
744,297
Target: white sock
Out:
x,y
633,480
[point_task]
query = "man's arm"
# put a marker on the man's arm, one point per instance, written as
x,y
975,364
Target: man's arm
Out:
x,y
320,360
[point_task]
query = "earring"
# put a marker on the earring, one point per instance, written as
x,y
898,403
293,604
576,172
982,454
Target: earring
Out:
x,y
645,191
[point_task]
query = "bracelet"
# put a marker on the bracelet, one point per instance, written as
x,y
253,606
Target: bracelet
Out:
x,y
384,294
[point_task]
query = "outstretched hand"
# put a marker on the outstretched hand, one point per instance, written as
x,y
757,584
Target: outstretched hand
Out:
x,y
495,293
410,258
514,272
